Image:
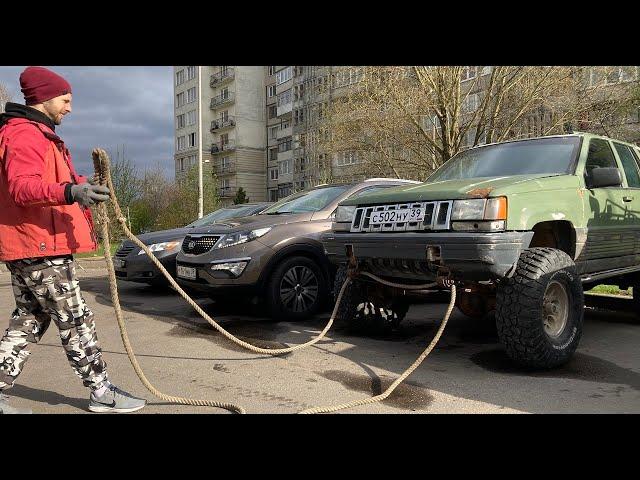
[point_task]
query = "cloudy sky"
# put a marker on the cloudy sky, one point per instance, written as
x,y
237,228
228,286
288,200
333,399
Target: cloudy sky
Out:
x,y
114,106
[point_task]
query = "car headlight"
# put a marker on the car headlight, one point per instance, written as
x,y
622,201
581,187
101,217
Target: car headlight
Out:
x,y
159,247
345,213
232,239
480,209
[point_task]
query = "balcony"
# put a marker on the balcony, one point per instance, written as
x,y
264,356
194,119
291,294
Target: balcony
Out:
x,y
224,168
220,100
226,192
221,124
284,132
223,147
222,77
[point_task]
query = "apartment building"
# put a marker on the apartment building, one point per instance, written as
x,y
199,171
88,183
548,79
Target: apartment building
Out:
x,y
233,134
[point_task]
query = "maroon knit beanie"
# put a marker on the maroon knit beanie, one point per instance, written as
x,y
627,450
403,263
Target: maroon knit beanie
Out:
x,y
39,85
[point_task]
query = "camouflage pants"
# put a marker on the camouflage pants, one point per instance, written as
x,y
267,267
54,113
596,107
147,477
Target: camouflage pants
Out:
x,y
47,289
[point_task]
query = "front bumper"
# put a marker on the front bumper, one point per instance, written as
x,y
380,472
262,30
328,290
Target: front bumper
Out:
x,y
254,253
140,268
469,256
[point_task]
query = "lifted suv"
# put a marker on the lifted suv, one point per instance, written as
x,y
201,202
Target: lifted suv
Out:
x,y
520,227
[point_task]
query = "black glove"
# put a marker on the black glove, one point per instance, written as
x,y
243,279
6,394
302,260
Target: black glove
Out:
x,y
87,194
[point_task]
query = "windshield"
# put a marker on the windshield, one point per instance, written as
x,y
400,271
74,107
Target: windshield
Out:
x,y
223,214
307,201
545,155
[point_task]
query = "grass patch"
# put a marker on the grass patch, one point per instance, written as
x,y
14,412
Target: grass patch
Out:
x,y
610,290
99,252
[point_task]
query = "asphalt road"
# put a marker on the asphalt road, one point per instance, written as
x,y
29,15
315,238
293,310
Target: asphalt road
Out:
x,y
468,372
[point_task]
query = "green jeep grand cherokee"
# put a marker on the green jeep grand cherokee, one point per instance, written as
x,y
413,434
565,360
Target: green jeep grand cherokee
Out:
x,y
520,226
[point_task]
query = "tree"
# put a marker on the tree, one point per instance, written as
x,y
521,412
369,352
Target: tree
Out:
x,y
407,121
241,197
182,204
4,97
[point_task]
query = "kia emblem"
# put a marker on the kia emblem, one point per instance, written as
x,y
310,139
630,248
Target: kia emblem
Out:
x,y
191,245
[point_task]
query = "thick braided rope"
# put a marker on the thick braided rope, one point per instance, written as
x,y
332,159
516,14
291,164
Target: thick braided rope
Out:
x,y
269,351
402,377
102,212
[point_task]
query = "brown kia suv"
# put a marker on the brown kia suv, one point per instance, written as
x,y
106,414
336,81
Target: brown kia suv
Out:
x,y
275,256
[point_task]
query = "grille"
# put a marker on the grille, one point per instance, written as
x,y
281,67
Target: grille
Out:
x,y
199,245
436,217
125,250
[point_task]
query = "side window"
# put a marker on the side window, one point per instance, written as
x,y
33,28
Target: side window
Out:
x,y
600,156
629,163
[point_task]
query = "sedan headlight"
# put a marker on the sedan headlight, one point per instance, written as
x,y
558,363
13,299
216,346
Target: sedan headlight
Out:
x,y
159,247
345,213
232,239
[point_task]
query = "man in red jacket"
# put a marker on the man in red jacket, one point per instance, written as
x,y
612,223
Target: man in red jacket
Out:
x,y
44,219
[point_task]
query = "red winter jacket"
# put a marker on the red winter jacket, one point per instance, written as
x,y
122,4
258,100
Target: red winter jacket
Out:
x,y
35,218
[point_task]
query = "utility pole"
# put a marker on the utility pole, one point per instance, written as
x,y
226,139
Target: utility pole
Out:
x,y
200,186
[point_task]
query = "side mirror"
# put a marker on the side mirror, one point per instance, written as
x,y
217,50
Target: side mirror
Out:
x,y
604,177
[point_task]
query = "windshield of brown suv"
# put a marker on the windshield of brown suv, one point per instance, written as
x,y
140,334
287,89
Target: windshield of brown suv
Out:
x,y
553,155
307,201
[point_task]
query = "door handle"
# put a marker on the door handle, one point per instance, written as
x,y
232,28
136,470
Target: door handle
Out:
x,y
627,198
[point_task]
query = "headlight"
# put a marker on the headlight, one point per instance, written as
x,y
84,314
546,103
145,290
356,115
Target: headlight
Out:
x,y
158,247
480,209
232,239
345,213
468,209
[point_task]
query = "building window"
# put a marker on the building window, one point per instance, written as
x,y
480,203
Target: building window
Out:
x,y
179,77
283,76
273,195
180,121
284,167
348,157
180,99
298,70
272,70
191,95
284,98
273,174
191,117
273,154
273,132
471,103
191,140
273,111
284,145
469,73
225,163
224,183
348,76
191,72
224,93
271,91
612,75
224,116
285,124
298,116
180,142
298,92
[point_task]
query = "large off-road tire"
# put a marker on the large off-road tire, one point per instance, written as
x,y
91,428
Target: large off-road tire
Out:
x,y
296,290
362,312
539,311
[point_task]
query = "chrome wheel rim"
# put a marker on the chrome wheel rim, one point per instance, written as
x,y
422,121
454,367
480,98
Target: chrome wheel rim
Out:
x,y
555,309
299,289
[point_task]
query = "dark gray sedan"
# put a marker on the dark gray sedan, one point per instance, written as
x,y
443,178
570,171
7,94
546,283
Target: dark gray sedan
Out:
x,y
132,264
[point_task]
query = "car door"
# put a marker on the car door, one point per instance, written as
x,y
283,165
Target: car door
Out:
x,y
631,167
610,241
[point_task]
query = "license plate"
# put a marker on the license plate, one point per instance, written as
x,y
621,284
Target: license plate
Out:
x,y
400,215
186,272
118,263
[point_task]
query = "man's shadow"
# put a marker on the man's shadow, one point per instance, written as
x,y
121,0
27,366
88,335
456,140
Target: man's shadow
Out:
x,y
45,396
